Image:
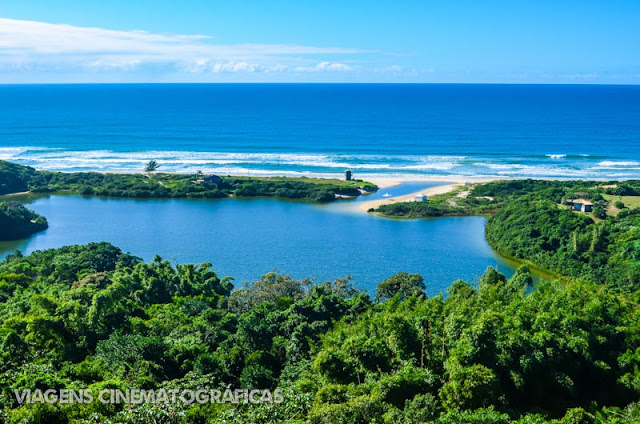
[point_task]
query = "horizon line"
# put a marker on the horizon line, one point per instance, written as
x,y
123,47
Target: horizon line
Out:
x,y
314,83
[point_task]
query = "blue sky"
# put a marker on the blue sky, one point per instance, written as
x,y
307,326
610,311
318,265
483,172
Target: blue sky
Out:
x,y
330,41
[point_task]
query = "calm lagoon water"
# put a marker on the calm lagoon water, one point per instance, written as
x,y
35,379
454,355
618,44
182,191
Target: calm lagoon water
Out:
x,y
246,238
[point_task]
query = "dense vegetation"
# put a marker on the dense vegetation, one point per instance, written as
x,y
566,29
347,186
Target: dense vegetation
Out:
x,y
487,198
92,316
461,201
529,221
497,352
570,244
17,222
16,178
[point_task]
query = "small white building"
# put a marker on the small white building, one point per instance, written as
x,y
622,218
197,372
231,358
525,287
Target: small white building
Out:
x,y
420,197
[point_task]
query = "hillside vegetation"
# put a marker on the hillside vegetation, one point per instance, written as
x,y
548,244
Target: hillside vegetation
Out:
x,y
529,221
17,222
94,317
16,178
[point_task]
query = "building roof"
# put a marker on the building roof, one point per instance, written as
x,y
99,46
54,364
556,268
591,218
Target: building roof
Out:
x,y
579,202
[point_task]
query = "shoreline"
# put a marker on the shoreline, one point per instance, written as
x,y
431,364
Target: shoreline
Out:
x,y
446,186
20,193
444,183
370,175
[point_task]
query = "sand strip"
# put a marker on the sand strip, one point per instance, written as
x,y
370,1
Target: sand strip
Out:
x,y
441,189
429,191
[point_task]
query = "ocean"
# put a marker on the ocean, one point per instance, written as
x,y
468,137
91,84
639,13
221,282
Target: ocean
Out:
x,y
554,131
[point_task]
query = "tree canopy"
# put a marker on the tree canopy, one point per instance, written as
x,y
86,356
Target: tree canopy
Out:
x,y
17,222
151,166
493,352
16,178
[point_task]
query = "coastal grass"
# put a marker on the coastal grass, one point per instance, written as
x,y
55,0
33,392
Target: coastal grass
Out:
x,y
487,198
318,180
630,202
16,178
457,202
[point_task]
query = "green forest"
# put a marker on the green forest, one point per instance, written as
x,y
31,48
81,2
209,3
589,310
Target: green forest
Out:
x,y
528,220
494,352
17,222
15,178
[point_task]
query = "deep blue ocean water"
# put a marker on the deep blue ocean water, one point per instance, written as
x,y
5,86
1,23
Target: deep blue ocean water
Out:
x,y
574,131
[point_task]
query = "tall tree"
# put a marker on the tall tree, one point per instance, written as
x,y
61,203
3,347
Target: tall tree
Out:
x,y
152,166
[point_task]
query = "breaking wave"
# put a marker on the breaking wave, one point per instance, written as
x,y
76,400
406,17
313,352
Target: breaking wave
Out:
x,y
269,163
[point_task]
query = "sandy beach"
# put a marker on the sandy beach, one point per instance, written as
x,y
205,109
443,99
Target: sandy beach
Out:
x,y
448,184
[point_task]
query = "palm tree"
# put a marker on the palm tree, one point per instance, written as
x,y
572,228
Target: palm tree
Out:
x,y
152,166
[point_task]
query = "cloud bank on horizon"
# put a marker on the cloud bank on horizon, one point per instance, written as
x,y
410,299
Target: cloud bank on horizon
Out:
x,y
42,52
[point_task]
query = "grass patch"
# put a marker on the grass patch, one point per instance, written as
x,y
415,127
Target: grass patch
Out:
x,y
630,202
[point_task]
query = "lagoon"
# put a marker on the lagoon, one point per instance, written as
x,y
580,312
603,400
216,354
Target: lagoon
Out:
x,y
246,238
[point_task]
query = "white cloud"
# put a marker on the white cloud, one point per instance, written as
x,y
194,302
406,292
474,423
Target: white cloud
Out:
x,y
204,66
46,47
325,66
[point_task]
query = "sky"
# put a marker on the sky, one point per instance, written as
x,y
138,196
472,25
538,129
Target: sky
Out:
x,y
402,41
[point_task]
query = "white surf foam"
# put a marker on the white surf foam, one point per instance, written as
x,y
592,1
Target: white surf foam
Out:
x,y
614,163
261,163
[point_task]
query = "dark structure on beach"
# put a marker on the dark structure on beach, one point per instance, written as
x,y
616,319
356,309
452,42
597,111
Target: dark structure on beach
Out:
x,y
347,175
